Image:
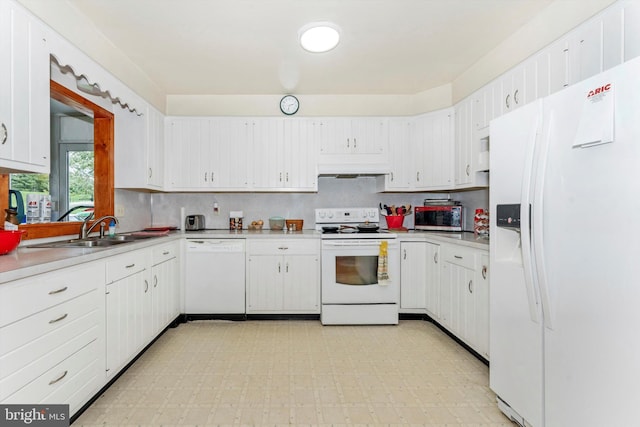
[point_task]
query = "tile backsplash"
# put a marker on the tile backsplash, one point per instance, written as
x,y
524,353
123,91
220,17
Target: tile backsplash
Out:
x,y
164,208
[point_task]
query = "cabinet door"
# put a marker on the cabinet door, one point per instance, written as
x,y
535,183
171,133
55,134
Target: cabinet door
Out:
x,y
300,155
467,290
24,84
413,275
432,279
301,288
481,294
163,281
131,148
368,136
230,153
125,303
265,288
439,150
155,148
267,153
419,161
558,65
400,154
585,51
463,142
185,138
336,136
631,33
613,36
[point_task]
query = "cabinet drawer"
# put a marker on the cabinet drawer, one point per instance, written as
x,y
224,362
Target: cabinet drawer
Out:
x,y
46,334
283,247
25,297
125,265
163,253
459,255
65,382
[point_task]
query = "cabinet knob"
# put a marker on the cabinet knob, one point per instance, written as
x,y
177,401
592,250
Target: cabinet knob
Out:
x,y
507,103
146,286
468,170
515,96
404,254
5,134
470,286
150,172
484,271
435,258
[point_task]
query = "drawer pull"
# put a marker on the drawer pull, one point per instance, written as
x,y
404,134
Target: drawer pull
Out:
x,y
166,253
130,265
57,291
457,256
283,248
52,382
64,316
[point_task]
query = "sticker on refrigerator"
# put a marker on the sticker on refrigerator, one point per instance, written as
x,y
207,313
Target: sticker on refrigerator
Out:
x,y
597,119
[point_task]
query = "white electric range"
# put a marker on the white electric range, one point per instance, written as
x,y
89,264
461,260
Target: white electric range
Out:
x,y
360,284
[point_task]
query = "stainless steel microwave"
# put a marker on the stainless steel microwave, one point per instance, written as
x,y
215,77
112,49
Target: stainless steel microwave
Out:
x,y
439,218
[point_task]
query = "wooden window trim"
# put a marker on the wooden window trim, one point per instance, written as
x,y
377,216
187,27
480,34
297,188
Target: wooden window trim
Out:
x,y
103,145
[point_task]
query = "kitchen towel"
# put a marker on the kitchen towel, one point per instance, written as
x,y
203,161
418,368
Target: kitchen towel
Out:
x,y
383,263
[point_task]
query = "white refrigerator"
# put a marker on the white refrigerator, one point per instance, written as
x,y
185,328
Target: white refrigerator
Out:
x,y
565,255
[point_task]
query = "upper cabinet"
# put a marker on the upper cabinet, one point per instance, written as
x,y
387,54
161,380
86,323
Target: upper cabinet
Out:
x,y
24,85
355,144
241,154
139,148
421,153
284,155
208,153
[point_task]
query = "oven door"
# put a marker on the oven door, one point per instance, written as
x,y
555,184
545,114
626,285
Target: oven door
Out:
x,y
350,272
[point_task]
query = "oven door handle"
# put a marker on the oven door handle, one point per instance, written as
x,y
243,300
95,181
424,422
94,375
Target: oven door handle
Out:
x,y
359,243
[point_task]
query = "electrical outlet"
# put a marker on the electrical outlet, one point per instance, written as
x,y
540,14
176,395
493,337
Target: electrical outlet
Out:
x,y
216,209
119,210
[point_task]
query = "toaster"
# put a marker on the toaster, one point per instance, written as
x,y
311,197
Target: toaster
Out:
x,y
194,222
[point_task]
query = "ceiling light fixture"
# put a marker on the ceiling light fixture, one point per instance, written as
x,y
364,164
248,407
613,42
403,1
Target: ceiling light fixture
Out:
x,y
318,37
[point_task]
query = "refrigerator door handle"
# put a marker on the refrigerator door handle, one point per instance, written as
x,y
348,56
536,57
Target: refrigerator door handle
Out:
x,y
537,226
525,226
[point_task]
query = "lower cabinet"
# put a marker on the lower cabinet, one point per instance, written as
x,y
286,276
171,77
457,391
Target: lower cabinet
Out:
x,y
464,296
283,276
52,337
129,323
142,298
432,283
413,276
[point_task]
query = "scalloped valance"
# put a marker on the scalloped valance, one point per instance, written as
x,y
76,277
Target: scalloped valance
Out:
x,y
83,67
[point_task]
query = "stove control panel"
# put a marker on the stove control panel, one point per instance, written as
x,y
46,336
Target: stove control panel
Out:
x,y
347,215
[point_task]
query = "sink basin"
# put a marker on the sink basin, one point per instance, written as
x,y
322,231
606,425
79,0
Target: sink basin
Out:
x,y
91,242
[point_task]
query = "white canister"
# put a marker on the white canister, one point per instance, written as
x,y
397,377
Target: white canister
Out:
x,y
45,208
33,208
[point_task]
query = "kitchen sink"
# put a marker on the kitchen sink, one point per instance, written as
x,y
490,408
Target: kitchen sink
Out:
x,y
90,242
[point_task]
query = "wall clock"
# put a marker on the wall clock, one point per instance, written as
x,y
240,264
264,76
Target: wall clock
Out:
x,y
289,105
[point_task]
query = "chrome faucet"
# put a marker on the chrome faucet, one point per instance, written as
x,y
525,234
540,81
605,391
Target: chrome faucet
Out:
x,y
84,231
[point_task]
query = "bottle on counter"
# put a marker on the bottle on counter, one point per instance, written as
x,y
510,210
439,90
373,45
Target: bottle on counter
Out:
x,y
481,223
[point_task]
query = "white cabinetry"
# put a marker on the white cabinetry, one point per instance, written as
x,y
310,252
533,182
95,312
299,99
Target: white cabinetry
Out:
x,y
24,85
432,279
283,276
421,153
471,150
400,156
348,143
413,276
284,155
142,298
129,321
165,286
464,296
208,153
139,148
52,337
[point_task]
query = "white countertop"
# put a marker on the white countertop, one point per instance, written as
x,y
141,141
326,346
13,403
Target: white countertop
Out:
x,y
25,261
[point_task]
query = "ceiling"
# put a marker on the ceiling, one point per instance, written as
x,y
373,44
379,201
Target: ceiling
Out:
x,y
250,46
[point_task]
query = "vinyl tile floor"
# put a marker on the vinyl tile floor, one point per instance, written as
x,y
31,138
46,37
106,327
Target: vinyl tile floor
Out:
x,y
298,372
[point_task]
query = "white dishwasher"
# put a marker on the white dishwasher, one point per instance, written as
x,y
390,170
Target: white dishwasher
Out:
x,y
215,271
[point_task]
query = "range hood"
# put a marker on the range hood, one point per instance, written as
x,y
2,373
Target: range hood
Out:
x,y
353,170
